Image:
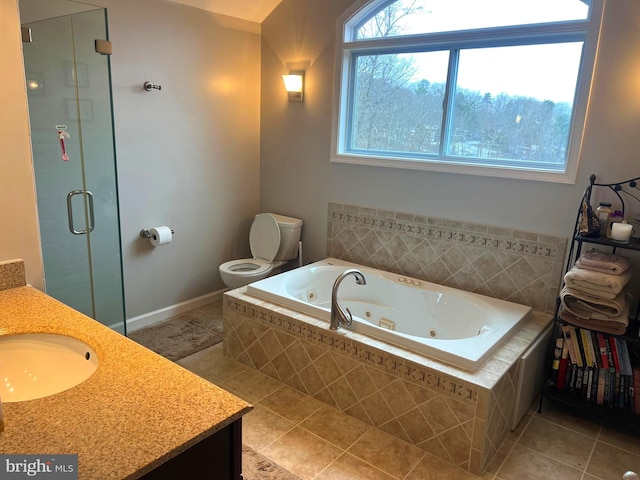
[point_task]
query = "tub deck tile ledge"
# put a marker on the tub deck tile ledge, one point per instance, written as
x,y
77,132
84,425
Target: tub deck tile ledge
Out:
x,y
486,376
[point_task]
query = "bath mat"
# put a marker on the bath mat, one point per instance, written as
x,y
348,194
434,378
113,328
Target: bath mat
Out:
x,y
183,334
258,467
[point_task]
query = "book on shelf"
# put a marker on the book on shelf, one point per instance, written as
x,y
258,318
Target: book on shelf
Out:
x,y
563,363
601,387
580,347
613,345
588,347
596,367
555,365
635,391
602,350
569,337
625,360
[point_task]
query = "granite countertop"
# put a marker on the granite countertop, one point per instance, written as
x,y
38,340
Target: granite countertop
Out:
x,y
135,412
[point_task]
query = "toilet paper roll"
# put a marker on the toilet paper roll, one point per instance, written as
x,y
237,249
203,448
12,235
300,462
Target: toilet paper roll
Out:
x,y
160,235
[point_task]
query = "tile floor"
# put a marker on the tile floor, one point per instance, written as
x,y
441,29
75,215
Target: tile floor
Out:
x,y
317,442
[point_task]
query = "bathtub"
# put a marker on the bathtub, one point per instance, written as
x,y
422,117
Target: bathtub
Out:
x,y
460,328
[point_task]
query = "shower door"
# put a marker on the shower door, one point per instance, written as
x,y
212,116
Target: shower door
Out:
x,y
70,110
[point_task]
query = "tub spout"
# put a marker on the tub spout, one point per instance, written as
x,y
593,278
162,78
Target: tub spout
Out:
x,y
340,316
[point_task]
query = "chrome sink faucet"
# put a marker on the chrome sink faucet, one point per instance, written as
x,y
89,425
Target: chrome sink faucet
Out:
x,y
338,315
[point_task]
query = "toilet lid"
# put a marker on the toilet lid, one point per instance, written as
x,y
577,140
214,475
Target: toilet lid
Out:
x,y
264,237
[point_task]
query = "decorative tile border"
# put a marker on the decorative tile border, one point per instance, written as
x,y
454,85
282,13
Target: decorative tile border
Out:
x,y
519,266
12,274
442,229
393,364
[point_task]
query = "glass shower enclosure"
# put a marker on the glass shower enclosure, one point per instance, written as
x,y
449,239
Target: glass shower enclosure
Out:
x,y
70,111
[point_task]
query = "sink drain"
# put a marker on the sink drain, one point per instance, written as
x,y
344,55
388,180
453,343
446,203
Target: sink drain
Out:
x,y
433,333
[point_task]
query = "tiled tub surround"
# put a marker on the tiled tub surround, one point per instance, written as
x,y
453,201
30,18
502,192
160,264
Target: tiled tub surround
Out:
x,y
518,266
459,416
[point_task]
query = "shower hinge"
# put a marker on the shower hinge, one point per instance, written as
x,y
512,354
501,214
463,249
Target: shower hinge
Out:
x,y
26,34
103,47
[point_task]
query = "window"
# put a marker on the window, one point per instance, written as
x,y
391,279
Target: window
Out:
x,y
488,87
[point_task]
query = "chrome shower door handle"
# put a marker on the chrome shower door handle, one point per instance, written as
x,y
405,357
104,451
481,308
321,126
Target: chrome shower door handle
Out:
x,y
92,222
72,227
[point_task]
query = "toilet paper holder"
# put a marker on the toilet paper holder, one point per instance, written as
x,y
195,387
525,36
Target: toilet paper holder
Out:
x,y
145,233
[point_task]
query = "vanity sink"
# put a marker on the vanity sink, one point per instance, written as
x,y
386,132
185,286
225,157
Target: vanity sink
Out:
x,y
36,365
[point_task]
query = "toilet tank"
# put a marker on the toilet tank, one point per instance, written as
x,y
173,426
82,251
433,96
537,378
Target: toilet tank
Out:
x,y
290,229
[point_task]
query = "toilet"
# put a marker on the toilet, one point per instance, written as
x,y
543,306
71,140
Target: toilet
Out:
x,y
273,240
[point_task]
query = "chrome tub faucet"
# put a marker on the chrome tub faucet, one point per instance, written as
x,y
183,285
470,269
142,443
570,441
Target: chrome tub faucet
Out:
x,y
340,316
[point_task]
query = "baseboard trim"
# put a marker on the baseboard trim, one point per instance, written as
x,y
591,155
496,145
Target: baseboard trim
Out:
x,y
146,319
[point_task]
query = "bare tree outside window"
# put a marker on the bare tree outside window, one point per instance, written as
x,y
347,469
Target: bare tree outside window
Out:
x,y
421,90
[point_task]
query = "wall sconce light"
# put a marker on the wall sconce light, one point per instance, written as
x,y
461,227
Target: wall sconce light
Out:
x,y
294,84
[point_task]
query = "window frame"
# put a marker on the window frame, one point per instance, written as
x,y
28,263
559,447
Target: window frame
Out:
x,y
348,48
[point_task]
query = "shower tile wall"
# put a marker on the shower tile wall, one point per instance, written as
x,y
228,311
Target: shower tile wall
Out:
x,y
518,266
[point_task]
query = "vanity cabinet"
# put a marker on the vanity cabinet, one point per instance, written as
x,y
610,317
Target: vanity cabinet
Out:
x,y
620,404
218,457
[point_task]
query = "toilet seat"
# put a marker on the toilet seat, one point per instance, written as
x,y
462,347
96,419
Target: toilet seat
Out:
x,y
246,267
264,241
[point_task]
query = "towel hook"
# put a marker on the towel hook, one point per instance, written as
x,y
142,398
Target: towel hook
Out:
x,y
148,86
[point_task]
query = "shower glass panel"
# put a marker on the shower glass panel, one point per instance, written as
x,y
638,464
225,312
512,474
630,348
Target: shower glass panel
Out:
x,y
70,110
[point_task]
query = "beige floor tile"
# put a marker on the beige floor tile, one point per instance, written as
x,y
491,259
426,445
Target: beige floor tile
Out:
x,y
434,468
348,467
610,463
302,453
291,404
500,455
524,421
386,452
566,417
558,442
251,385
261,426
211,364
335,427
625,437
547,446
526,464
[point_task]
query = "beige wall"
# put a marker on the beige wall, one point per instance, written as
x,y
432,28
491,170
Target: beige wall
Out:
x,y
298,179
220,142
19,237
188,156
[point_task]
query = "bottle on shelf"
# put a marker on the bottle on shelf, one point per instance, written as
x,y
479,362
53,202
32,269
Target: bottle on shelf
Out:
x,y
603,212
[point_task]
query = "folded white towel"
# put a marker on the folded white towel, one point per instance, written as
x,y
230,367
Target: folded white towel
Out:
x,y
598,284
587,307
604,262
606,326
